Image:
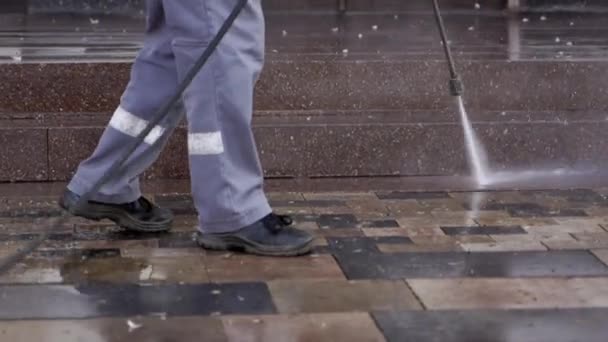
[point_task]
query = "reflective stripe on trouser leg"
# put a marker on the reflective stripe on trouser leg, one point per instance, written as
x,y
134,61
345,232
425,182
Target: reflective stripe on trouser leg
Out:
x,y
153,80
227,179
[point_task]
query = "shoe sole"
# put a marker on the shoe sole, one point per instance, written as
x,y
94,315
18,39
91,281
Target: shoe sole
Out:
x,y
122,219
238,244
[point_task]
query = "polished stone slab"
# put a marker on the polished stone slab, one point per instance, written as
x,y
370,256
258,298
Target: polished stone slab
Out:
x,y
532,293
314,296
72,302
483,230
475,325
372,265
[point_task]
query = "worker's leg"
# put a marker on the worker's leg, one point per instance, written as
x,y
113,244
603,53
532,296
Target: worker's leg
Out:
x,y
227,179
153,81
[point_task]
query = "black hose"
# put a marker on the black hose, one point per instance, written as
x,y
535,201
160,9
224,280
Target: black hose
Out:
x,y
120,165
456,86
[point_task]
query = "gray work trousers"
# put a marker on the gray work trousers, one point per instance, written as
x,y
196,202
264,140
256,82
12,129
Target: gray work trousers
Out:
x,y
226,175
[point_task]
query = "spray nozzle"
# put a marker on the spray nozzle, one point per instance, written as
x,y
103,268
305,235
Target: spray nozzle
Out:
x,y
456,86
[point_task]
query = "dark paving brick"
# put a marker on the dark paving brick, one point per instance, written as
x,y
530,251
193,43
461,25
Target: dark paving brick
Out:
x,y
80,253
361,245
378,224
570,325
69,302
399,195
369,265
337,221
485,230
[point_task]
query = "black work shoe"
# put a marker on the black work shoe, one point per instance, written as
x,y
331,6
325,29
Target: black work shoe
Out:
x,y
271,236
140,216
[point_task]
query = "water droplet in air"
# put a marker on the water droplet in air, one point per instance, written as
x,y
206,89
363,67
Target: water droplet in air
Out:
x,y
543,18
569,43
525,20
94,21
557,39
335,29
360,35
284,33
477,5
471,28
375,27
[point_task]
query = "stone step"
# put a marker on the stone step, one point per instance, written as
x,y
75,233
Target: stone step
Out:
x,y
562,5
320,63
43,147
136,7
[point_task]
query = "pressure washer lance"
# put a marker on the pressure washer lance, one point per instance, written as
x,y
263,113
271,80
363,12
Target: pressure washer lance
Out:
x,y
456,85
121,164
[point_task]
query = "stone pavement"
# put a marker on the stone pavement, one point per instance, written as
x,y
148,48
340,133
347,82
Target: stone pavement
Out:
x,y
394,266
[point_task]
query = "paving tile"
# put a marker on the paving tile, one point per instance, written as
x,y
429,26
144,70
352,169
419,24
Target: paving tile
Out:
x,y
445,265
533,237
602,254
340,196
139,252
515,221
337,221
178,204
329,233
353,245
484,230
368,208
182,270
157,328
333,210
106,244
75,302
33,271
563,229
458,217
442,204
504,246
447,294
575,244
372,232
417,248
237,267
454,239
591,236
356,327
285,196
378,223
401,195
406,208
314,296
565,325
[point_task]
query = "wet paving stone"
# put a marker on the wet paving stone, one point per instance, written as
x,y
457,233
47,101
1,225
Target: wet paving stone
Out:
x,y
601,254
337,221
158,327
514,293
228,267
485,230
75,302
492,325
312,296
390,223
447,265
400,195
352,326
